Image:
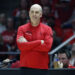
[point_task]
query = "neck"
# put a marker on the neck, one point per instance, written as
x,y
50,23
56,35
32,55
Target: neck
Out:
x,y
36,23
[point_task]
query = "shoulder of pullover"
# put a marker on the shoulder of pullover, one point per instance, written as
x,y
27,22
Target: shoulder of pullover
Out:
x,y
24,25
46,26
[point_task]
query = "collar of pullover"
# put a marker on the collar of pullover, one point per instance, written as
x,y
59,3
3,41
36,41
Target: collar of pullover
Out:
x,y
35,26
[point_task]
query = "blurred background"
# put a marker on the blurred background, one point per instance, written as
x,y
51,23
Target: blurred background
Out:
x,y
58,14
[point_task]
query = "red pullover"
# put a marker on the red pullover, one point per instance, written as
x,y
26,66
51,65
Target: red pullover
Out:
x,y
70,66
33,53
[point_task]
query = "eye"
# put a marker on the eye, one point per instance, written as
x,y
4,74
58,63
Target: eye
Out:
x,y
36,12
63,58
32,11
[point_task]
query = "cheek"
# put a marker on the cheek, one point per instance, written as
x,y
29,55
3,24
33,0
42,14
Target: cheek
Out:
x,y
29,14
65,61
39,16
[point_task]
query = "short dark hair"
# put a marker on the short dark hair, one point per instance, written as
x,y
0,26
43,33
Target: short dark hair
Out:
x,y
66,51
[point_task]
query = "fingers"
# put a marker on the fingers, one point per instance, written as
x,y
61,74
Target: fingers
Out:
x,y
60,64
42,41
6,60
22,39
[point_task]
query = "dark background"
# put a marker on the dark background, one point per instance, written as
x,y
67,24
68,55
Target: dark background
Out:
x,y
51,72
7,6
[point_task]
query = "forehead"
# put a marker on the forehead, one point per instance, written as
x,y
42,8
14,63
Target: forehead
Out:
x,y
63,55
35,8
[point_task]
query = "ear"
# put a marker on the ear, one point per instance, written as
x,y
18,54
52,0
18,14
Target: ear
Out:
x,y
40,14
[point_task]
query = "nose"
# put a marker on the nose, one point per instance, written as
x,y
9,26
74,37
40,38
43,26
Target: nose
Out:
x,y
60,60
34,14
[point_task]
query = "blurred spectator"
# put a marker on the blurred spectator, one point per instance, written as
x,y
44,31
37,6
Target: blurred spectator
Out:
x,y
55,24
53,4
57,40
58,28
64,10
9,36
64,57
2,22
51,22
22,19
3,48
67,33
46,14
15,64
22,6
3,18
7,63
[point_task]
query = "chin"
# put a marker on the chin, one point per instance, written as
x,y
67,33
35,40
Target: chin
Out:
x,y
34,20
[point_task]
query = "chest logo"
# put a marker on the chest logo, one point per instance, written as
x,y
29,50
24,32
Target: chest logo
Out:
x,y
28,33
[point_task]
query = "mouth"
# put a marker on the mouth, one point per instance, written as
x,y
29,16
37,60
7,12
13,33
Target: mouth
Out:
x,y
34,17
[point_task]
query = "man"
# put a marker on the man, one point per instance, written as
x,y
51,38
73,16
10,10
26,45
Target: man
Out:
x,y
34,40
64,57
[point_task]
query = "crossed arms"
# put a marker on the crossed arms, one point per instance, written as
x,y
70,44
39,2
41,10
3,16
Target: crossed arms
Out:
x,y
37,45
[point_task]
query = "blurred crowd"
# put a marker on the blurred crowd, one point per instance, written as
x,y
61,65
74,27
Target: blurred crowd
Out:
x,y
58,14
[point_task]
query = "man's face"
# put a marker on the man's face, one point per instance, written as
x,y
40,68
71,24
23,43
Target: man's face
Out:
x,y
10,22
23,14
46,10
35,14
63,58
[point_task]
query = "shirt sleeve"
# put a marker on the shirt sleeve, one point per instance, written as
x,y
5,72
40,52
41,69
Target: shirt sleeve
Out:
x,y
47,42
26,46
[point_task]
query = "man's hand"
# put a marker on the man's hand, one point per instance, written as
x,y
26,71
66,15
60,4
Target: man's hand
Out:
x,y
6,60
42,41
60,64
22,39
